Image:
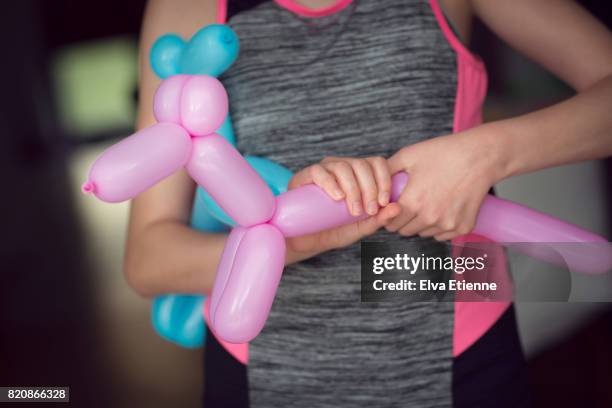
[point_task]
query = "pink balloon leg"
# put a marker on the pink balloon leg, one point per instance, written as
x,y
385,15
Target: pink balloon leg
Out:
x,y
247,283
225,265
560,242
218,167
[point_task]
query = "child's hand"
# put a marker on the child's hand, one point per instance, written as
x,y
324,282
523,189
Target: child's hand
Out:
x,y
364,183
449,178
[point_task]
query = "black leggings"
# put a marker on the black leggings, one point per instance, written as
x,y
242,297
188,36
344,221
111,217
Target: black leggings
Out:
x,y
491,373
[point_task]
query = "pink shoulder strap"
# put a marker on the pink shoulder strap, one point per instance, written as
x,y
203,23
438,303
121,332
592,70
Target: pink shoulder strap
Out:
x,y
472,319
239,351
452,39
221,11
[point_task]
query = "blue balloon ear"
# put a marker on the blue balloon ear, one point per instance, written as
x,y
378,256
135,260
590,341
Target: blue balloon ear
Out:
x,y
166,55
211,51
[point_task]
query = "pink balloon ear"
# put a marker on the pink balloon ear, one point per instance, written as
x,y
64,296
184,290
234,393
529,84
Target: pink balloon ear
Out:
x,y
204,105
166,104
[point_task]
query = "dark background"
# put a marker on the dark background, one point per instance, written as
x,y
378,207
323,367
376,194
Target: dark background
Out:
x,y
53,329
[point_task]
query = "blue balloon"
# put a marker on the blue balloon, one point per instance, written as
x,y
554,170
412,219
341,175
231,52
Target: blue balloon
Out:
x,y
178,318
211,51
202,219
277,176
206,202
166,55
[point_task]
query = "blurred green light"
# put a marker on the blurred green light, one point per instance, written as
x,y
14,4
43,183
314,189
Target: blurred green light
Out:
x,y
94,85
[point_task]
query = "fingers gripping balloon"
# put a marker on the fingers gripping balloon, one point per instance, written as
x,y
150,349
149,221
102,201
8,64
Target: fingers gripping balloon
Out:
x,y
189,110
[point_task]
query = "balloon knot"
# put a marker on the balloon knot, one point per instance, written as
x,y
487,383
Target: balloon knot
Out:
x,y
88,187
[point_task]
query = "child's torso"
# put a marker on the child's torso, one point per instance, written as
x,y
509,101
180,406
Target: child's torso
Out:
x,y
374,77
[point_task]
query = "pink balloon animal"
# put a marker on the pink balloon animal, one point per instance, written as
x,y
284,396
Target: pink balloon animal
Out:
x,y
189,109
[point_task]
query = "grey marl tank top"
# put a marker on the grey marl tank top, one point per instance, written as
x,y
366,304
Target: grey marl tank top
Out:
x,y
374,77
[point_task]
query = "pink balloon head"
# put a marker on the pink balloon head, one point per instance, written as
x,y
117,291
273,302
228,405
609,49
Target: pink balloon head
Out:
x,y
185,106
197,102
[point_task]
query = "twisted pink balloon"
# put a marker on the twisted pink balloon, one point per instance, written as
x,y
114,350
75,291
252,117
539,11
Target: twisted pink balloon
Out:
x,y
189,109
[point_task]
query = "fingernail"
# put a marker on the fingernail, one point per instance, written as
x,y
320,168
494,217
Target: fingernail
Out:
x,y
356,208
338,194
383,198
372,207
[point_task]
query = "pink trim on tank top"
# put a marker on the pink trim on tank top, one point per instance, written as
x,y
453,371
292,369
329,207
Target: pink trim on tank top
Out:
x,y
472,319
304,11
240,351
221,11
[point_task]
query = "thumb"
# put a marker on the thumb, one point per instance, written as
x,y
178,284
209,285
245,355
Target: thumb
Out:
x,y
387,213
299,179
372,224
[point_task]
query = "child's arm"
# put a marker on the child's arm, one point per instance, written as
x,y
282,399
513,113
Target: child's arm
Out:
x,y
569,42
162,253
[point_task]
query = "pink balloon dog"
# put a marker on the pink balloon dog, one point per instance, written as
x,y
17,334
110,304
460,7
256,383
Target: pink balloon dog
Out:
x,y
189,109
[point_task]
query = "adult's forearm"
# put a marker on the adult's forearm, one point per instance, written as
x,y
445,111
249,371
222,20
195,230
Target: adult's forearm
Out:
x,y
577,129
